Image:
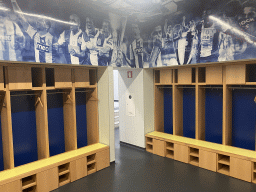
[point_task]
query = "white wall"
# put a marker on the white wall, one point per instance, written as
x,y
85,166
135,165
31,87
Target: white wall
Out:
x,y
106,108
115,74
131,128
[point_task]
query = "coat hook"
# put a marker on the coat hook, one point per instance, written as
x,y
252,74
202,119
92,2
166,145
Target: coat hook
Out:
x,y
69,98
255,99
39,101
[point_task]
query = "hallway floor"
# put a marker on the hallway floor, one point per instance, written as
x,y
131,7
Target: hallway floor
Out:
x,y
137,170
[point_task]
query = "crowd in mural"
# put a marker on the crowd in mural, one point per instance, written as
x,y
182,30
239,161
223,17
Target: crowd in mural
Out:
x,y
212,37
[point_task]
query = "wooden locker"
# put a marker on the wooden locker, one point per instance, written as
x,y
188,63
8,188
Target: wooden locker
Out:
x,y
47,180
181,153
159,147
185,75
166,76
207,160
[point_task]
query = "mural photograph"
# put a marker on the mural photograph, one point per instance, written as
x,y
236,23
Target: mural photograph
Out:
x,y
127,33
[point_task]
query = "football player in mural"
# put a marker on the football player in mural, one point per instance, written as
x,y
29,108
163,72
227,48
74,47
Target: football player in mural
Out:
x,y
91,35
247,23
43,40
136,48
209,39
12,40
157,40
105,44
168,51
71,42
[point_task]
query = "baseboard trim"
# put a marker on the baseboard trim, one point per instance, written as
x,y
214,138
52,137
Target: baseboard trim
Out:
x,y
128,144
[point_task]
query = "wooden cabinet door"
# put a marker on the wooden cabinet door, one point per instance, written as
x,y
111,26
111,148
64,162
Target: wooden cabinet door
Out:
x,y
185,75
103,159
240,169
47,180
181,153
78,169
158,147
14,186
166,76
208,160
235,74
214,75
81,77
19,78
63,77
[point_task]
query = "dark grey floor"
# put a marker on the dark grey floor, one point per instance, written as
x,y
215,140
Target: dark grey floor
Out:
x,y
137,170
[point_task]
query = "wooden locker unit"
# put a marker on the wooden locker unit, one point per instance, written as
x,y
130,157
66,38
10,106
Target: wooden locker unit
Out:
x,y
50,172
218,156
181,153
159,147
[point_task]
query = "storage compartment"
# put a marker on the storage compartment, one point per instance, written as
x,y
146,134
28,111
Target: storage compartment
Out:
x,y
93,76
28,182
91,168
224,159
2,78
63,169
24,127
214,75
63,77
235,74
194,160
81,117
223,169
169,150
149,148
64,179
208,160
201,75
1,142
157,76
193,75
166,76
189,103
181,153
194,152
185,75
103,159
251,73
243,117
241,169
81,77
159,147
30,189
91,159
37,76
149,140
213,113
175,75
254,177
49,76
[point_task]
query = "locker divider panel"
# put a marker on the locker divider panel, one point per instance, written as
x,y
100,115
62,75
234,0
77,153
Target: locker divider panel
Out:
x,y
213,115
1,149
189,113
56,123
81,120
243,118
24,128
168,115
